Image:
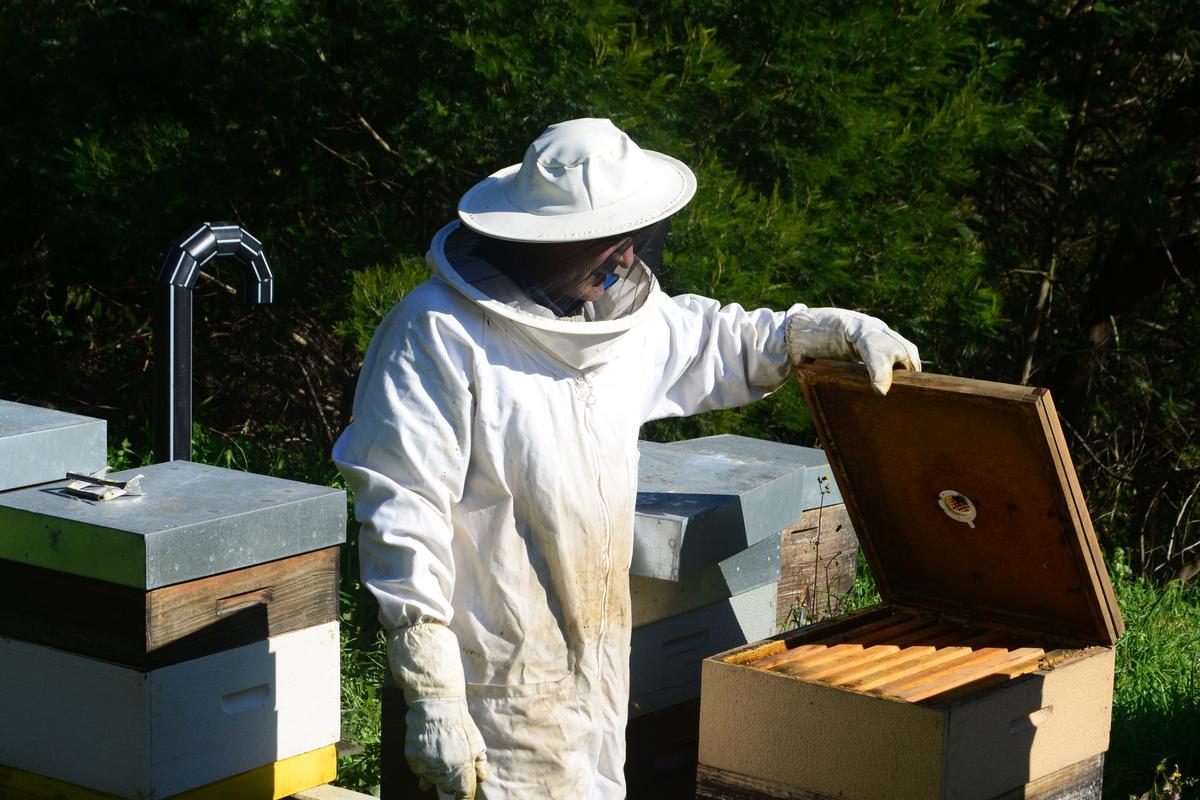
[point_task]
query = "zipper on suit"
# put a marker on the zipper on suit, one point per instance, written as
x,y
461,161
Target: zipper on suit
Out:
x,y
586,392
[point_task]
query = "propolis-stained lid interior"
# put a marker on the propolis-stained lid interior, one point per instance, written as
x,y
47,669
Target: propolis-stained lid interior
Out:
x,y
965,500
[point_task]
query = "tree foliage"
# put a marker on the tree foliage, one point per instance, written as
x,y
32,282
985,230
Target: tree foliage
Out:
x,y
1012,184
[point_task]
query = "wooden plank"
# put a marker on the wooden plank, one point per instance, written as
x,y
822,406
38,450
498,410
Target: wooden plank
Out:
x,y
835,630
841,658
713,783
946,672
872,662
975,656
281,779
838,636
1108,613
891,671
889,634
1017,662
976,685
817,658
328,792
772,661
925,634
818,559
147,630
242,606
847,668
1080,781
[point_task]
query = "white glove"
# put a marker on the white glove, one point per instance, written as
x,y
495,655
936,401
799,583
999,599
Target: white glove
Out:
x,y
442,744
841,334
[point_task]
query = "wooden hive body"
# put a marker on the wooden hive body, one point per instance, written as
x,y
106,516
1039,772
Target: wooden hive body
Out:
x,y
149,629
987,672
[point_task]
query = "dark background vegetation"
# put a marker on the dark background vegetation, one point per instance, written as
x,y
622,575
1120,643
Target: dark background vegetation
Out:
x,y
1012,184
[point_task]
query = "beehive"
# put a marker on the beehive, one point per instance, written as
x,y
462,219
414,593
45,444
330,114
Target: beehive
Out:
x,y
178,642
987,671
720,536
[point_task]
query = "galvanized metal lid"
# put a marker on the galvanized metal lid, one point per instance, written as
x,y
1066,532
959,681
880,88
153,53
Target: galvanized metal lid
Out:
x,y
965,500
39,445
703,500
194,520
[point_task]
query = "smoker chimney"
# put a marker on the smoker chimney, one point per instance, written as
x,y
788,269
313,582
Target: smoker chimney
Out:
x,y
173,323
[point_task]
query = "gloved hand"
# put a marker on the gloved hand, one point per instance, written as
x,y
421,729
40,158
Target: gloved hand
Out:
x,y
841,334
443,745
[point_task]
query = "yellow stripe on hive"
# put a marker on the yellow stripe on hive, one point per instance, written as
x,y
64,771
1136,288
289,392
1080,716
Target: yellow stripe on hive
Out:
x,y
273,781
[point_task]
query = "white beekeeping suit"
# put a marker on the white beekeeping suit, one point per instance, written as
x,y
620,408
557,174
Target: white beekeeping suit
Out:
x,y
493,455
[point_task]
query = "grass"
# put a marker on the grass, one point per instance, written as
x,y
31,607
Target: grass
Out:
x,y
363,664
1156,703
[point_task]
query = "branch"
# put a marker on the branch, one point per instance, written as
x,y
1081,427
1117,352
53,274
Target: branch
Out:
x,y
376,136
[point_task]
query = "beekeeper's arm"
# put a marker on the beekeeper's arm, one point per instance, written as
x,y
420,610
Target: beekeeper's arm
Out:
x,y
405,456
722,357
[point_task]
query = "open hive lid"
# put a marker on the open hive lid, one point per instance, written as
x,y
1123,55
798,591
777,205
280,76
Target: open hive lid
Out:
x,y
965,500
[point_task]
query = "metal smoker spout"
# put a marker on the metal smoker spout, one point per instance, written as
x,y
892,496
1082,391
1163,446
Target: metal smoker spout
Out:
x,y
173,323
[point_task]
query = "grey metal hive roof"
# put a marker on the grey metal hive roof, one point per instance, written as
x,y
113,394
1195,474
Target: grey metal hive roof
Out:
x,y
195,520
703,500
39,445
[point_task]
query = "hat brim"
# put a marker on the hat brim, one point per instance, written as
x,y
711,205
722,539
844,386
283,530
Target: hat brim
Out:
x,y
485,207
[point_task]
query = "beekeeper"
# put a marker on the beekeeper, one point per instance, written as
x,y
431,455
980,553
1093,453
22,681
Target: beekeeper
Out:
x,y
494,462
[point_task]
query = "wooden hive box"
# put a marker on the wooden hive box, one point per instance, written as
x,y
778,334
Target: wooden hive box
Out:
x,y
987,671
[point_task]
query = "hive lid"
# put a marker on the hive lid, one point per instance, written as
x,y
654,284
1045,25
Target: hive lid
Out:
x,y
194,520
703,500
39,445
965,500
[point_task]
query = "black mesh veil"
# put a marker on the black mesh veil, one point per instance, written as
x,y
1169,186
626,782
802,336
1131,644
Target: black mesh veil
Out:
x,y
585,281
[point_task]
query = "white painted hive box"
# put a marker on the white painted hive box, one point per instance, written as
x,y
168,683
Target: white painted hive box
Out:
x,y
154,734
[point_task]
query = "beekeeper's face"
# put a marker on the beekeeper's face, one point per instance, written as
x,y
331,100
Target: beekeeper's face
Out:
x,y
580,270
589,272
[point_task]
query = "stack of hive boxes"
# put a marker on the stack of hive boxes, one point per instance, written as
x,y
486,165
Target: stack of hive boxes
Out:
x,y
179,643
735,539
